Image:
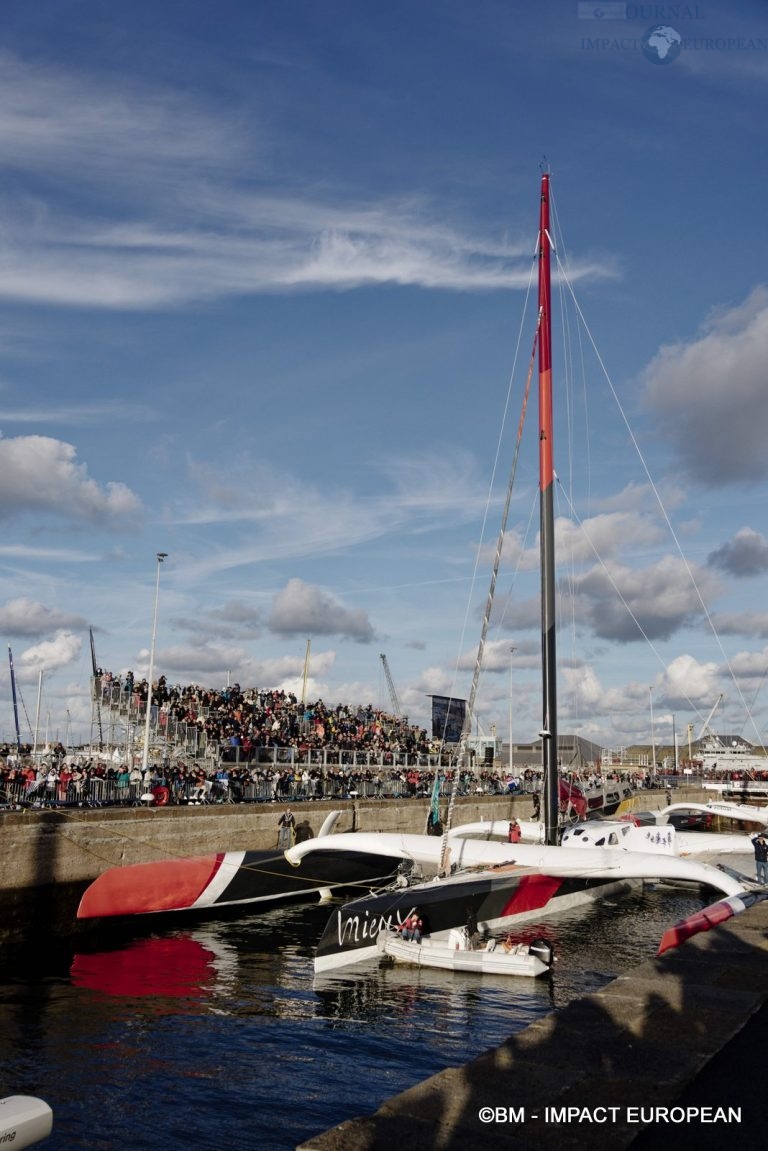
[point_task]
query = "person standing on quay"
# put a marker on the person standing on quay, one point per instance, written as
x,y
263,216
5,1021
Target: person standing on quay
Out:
x,y
760,844
285,826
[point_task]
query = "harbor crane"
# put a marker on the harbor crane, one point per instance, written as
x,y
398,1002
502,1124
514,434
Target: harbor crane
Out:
x,y
705,725
391,685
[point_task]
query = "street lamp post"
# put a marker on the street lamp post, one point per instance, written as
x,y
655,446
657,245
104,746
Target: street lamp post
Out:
x,y
653,738
512,651
145,755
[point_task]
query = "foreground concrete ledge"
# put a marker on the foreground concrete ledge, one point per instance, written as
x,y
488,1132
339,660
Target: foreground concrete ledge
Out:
x,y
638,1042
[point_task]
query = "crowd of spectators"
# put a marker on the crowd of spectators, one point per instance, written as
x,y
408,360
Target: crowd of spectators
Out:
x,y
93,781
238,722
250,744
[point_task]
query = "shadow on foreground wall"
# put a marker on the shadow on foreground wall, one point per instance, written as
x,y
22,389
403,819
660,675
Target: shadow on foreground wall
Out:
x,y
686,1030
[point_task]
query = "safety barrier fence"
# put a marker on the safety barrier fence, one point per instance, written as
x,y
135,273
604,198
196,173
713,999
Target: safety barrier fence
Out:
x,y
98,792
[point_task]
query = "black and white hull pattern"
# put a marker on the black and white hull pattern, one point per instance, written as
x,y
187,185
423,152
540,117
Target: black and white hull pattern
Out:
x,y
231,877
493,899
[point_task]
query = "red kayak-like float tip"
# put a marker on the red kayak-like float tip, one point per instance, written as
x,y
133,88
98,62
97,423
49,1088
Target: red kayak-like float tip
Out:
x,y
168,885
708,918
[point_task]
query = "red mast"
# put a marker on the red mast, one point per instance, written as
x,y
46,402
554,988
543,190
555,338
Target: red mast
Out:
x,y
547,528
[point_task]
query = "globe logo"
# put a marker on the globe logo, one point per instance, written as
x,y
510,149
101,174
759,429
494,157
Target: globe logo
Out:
x,y
661,44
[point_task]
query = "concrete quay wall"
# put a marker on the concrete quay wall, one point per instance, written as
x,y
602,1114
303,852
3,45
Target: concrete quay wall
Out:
x,y
42,847
687,1031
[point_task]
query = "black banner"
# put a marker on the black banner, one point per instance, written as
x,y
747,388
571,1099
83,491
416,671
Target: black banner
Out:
x,y
448,717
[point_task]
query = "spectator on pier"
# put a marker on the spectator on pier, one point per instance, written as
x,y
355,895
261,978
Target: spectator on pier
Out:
x,y
760,844
285,827
514,834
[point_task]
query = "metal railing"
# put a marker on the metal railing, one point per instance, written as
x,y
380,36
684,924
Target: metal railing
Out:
x,y
174,738
97,791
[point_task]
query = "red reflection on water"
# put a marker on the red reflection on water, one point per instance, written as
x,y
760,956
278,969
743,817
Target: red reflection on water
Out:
x,y
171,967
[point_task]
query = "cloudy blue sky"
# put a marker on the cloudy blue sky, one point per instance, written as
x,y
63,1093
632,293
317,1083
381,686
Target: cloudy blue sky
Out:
x,y
263,270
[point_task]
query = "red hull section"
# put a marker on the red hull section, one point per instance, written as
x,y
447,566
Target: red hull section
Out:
x,y
533,892
169,885
709,917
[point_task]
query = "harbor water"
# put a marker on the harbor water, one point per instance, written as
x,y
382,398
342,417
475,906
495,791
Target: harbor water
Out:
x,y
217,1034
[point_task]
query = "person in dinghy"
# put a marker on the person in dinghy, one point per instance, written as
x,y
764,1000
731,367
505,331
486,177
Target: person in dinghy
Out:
x,y
412,929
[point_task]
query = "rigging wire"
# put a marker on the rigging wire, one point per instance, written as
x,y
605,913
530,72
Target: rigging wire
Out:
x,y
499,443
661,506
491,592
24,709
470,708
521,553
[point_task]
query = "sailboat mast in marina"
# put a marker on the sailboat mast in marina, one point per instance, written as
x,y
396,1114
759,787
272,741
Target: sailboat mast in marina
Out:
x,y
547,529
15,703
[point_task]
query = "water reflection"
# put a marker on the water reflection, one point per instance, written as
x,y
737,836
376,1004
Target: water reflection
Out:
x,y
176,967
376,991
226,1023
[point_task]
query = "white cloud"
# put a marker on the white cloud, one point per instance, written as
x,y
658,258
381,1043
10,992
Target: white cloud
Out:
x,y
708,395
745,555
50,655
302,609
71,263
603,535
206,662
23,616
661,598
51,118
217,663
687,681
750,624
38,473
197,235
79,414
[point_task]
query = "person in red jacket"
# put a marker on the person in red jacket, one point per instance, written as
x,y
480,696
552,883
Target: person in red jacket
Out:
x,y
514,833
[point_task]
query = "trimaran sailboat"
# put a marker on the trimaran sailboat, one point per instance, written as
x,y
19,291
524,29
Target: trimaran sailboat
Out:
x,y
520,882
495,884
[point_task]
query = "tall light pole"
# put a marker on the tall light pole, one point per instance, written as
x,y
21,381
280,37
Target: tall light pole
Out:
x,y
512,651
653,737
145,756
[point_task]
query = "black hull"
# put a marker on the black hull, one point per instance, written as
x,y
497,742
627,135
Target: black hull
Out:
x,y
229,879
491,901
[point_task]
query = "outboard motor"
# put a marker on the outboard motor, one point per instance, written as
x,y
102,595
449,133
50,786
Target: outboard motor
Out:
x,y
543,950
